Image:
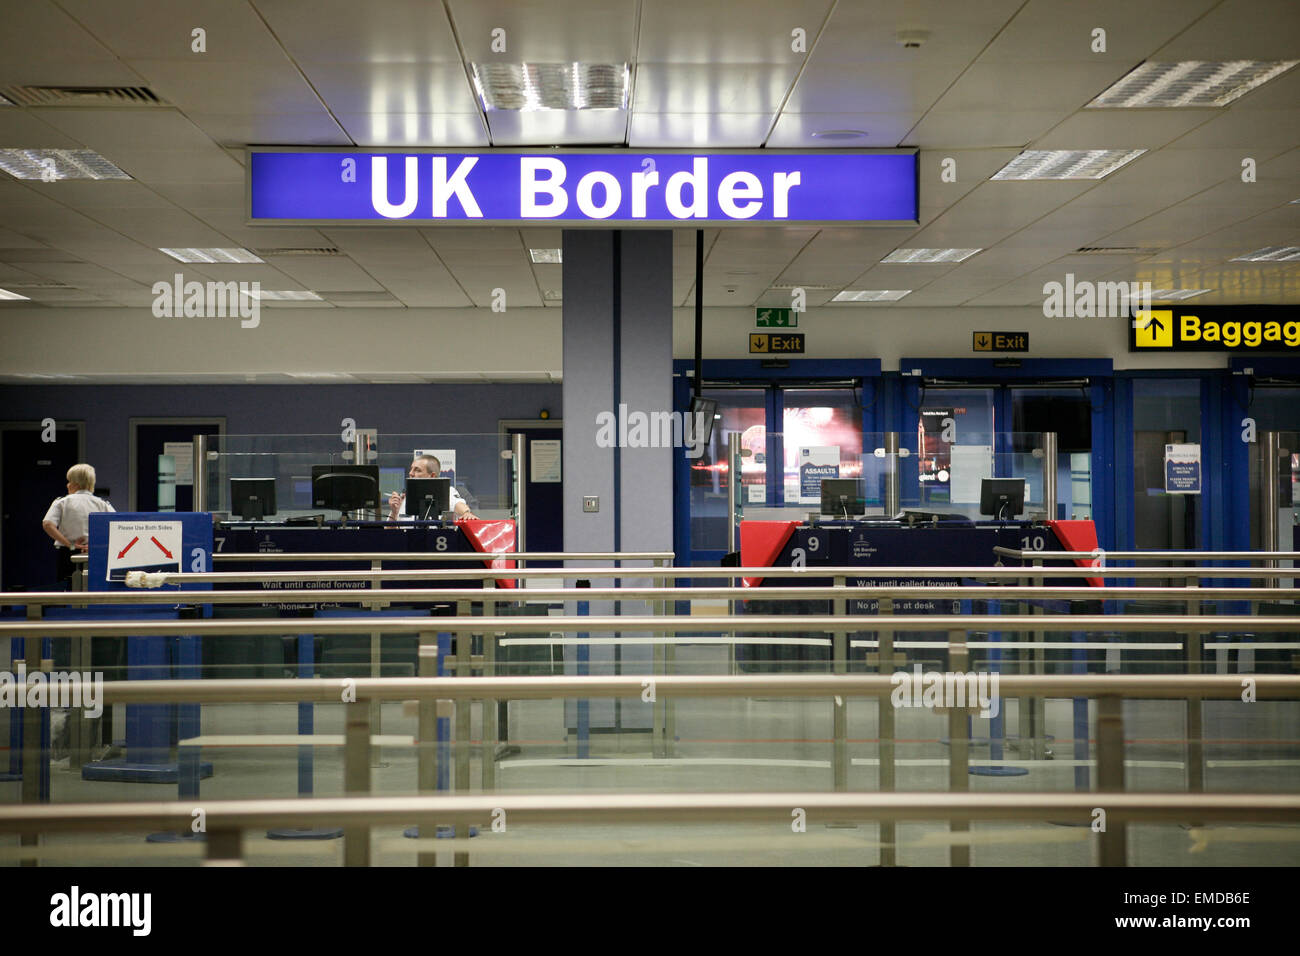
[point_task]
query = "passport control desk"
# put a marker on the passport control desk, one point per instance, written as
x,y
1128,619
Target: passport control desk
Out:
x,y
359,546
918,540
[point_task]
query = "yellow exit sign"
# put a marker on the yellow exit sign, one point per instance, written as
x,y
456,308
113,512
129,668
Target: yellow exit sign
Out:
x,y
1000,341
775,343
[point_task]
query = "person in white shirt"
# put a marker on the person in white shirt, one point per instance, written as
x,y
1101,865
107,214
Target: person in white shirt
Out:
x,y
426,466
66,521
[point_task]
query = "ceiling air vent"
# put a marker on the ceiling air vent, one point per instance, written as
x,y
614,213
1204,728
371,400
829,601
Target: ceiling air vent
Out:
x,y
308,251
110,96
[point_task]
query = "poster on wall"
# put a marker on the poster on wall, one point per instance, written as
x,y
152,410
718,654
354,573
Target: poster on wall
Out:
x,y
182,453
936,433
1183,469
545,460
446,458
815,463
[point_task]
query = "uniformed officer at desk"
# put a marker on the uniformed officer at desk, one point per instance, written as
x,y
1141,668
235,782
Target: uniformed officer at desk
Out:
x,y
426,466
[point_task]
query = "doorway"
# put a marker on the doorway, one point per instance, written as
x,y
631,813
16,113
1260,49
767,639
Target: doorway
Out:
x,y
543,483
34,474
162,472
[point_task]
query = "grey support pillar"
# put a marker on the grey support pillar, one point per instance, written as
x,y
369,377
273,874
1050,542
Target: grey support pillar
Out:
x,y
618,354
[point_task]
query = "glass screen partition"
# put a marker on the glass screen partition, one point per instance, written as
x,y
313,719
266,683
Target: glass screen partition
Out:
x,y
471,461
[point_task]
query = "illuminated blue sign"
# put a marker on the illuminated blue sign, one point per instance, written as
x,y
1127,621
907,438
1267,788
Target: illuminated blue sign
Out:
x,y
621,187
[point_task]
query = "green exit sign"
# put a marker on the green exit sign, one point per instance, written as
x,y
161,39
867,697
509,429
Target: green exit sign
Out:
x,y
776,318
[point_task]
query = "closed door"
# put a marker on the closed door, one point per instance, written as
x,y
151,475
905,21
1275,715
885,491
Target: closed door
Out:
x,y
543,486
35,473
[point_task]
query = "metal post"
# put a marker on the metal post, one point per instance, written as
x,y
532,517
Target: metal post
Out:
x,y
670,657
733,491
489,707
1195,747
200,477
958,747
35,763
892,484
1049,475
225,847
1110,776
79,727
376,659
839,705
356,777
885,716
463,724
427,737
520,481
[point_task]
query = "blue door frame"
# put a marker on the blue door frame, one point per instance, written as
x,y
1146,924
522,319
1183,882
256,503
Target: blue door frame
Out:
x,y
751,373
988,372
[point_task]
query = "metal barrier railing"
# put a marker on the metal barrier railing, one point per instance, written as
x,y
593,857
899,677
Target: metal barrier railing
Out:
x,y
1032,714
226,821
1024,555
663,593
340,557
661,573
491,628
356,695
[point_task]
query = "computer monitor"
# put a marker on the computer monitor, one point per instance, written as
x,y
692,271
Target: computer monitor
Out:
x,y
345,488
1003,498
842,497
252,499
427,498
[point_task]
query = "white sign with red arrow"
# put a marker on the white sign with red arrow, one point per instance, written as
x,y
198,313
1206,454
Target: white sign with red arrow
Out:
x,y
143,546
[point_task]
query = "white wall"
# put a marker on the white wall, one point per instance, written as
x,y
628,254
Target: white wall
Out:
x,y
461,343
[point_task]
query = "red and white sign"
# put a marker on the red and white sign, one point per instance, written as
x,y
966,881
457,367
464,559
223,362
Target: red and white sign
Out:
x,y
143,546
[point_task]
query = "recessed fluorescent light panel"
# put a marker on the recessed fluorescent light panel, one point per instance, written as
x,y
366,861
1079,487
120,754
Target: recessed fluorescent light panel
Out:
x,y
283,296
6,295
1067,163
1270,254
526,87
870,295
545,255
1189,83
1177,295
930,255
236,256
51,165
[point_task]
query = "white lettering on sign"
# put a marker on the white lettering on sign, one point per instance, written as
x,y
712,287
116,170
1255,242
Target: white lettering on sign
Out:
x,y
529,187
599,194
444,188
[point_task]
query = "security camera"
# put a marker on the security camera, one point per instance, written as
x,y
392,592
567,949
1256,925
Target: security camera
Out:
x,y
912,39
